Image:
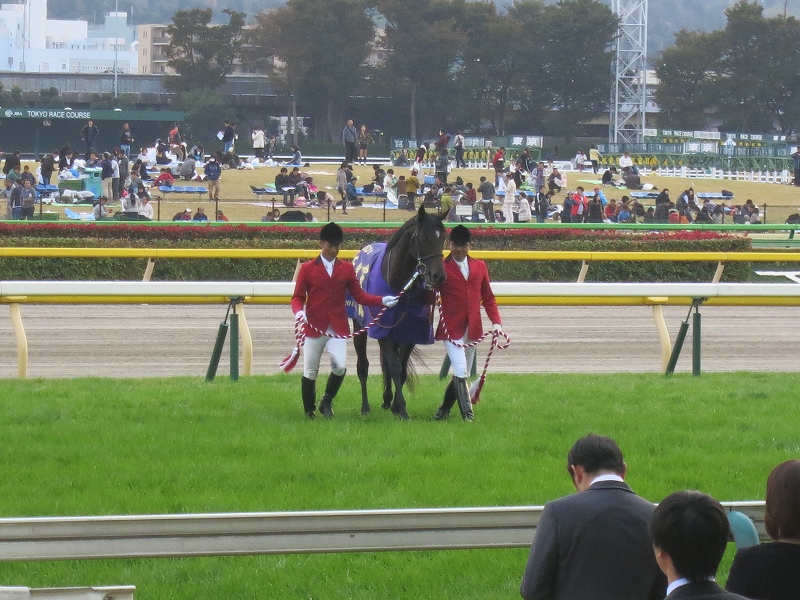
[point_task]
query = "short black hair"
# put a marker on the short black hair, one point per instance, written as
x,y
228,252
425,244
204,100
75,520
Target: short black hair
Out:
x,y
596,453
692,528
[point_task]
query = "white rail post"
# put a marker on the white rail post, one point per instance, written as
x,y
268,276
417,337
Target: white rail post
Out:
x,y
148,271
19,333
661,326
247,342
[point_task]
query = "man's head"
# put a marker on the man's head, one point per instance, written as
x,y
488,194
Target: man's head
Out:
x,y
594,455
690,532
331,237
27,183
459,241
349,122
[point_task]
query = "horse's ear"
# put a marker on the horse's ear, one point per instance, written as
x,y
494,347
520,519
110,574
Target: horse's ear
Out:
x,y
421,213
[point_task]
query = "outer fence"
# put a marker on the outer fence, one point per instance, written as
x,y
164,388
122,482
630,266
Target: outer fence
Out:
x,y
158,536
236,294
15,293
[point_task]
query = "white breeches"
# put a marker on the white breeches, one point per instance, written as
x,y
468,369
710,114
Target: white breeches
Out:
x,y
312,354
460,358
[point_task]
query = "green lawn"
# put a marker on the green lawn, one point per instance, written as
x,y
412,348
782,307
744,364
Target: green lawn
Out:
x,y
102,447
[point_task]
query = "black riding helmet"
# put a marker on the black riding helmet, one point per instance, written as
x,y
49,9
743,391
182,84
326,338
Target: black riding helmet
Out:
x,y
332,234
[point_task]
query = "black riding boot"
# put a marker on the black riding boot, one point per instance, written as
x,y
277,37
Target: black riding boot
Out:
x,y
333,385
462,393
309,387
447,403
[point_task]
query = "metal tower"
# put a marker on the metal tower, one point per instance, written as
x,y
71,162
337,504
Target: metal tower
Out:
x,y
629,91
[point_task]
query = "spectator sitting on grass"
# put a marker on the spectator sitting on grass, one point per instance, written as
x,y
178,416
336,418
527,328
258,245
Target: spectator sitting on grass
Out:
x,y
187,169
165,178
200,215
185,215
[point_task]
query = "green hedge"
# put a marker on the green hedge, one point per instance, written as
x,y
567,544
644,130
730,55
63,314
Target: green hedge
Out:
x,y
278,236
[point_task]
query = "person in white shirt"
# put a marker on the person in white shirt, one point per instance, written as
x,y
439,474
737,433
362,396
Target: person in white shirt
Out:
x,y
626,161
145,209
258,142
509,199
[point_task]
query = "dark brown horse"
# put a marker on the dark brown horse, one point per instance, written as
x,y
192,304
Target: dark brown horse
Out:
x,y
414,251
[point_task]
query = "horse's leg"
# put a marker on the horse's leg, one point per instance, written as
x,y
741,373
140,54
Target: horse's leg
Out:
x,y
403,355
362,366
394,373
404,350
386,377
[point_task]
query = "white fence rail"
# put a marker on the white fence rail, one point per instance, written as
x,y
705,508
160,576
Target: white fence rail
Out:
x,y
29,291
656,295
155,536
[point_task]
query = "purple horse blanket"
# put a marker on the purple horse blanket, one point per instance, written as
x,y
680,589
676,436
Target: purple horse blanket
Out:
x,y
409,322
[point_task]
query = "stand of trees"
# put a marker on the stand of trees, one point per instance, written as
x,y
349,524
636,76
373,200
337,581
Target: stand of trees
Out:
x,y
446,63
746,75
465,65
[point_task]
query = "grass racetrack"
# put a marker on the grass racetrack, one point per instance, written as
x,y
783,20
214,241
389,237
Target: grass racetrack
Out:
x,y
180,445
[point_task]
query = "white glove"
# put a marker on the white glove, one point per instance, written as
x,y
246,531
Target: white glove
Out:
x,y
300,315
497,328
389,301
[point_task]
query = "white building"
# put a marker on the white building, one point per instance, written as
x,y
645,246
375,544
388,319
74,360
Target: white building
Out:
x,y
34,43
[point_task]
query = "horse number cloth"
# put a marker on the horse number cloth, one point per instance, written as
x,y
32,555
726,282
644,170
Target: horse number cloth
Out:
x,y
409,322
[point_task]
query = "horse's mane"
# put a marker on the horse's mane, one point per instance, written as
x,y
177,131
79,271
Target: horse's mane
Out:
x,y
398,235
412,223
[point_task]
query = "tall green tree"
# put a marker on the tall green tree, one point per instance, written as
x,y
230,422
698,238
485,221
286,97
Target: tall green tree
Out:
x,y
684,90
200,53
492,66
423,43
577,63
315,49
746,75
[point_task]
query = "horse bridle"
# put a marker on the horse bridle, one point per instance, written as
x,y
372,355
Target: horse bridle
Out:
x,y
422,268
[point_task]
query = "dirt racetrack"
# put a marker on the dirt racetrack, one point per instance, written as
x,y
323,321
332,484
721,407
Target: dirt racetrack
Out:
x,y
169,340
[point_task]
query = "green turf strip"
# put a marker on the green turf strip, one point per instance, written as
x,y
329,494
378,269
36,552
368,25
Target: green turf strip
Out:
x,y
152,446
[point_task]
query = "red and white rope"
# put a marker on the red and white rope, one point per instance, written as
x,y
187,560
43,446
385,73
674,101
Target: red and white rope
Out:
x,y
475,391
288,363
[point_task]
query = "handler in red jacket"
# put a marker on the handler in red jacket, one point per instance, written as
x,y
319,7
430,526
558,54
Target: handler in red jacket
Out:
x,y
320,288
465,289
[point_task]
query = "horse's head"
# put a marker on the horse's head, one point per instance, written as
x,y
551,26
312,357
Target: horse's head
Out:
x,y
427,247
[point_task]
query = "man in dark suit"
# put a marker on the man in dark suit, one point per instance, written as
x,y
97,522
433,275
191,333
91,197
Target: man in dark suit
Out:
x,y
690,532
594,545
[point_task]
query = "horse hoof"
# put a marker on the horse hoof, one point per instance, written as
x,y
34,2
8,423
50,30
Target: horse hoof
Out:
x,y
386,406
403,415
366,410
